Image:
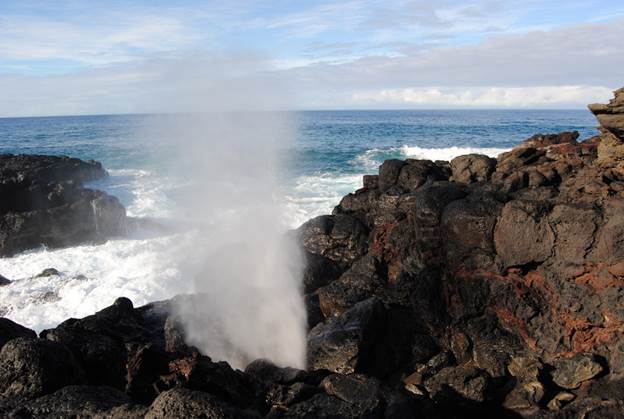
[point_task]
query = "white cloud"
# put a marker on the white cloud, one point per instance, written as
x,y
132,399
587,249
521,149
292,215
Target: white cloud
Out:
x,y
495,97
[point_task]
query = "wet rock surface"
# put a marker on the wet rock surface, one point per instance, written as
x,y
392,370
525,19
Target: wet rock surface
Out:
x,y
43,203
476,288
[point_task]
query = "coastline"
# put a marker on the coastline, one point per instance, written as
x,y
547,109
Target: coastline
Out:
x,y
480,285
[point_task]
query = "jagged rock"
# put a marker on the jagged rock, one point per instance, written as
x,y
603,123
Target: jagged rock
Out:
x,y
560,400
611,120
525,369
341,238
344,343
199,373
357,390
281,397
99,341
42,202
266,371
472,168
47,272
454,383
416,173
319,271
525,398
174,335
324,406
571,372
184,403
389,173
4,281
34,367
145,365
81,402
313,309
360,282
523,234
10,330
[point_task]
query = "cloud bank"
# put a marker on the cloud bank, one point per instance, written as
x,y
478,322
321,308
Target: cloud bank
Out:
x,y
448,55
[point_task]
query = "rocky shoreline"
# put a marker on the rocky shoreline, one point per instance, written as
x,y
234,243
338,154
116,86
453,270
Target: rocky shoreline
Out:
x,y
478,287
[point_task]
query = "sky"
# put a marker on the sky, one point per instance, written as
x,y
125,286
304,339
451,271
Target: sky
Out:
x,y
60,57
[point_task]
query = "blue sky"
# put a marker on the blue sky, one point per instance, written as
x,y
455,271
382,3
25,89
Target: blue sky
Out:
x,y
93,56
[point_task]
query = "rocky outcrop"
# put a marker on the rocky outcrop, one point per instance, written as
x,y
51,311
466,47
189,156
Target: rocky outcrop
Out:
x,y
475,288
43,203
611,119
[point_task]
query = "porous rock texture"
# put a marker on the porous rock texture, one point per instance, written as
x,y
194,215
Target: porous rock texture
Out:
x,y
43,203
475,288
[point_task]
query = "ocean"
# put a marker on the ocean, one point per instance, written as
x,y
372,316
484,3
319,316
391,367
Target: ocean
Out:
x,y
325,161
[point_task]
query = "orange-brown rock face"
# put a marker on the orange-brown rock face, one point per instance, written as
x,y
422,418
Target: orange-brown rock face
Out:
x,y
518,258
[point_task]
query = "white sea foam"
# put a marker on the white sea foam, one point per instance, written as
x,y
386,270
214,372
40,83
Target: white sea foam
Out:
x,y
92,276
448,153
318,194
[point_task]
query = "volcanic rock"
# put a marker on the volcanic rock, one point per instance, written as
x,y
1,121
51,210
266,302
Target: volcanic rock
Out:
x,y
344,343
43,203
4,281
10,330
34,367
472,168
571,372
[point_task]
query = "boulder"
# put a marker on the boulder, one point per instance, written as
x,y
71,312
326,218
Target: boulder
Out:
x,y
472,168
343,344
457,383
319,271
100,341
341,238
389,173
185,403
31,368
570,373
43,203
416,173
10,330
81,402
363,280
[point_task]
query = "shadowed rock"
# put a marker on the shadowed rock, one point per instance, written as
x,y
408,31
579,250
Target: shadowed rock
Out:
x,y
43,203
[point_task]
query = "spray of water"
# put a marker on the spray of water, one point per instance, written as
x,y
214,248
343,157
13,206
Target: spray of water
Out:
x,y
227,150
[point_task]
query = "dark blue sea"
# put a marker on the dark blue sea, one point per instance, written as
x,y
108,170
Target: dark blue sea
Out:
x,y
328,154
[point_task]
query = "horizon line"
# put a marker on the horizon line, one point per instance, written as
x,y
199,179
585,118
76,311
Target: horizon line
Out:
x,y
301,111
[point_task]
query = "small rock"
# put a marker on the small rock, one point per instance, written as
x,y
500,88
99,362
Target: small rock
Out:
x,y
560,400
571,372
525,397
48,272
4,281
525,368
460,346
464,381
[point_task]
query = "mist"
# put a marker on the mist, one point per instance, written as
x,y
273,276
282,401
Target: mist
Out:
x,y
226,149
